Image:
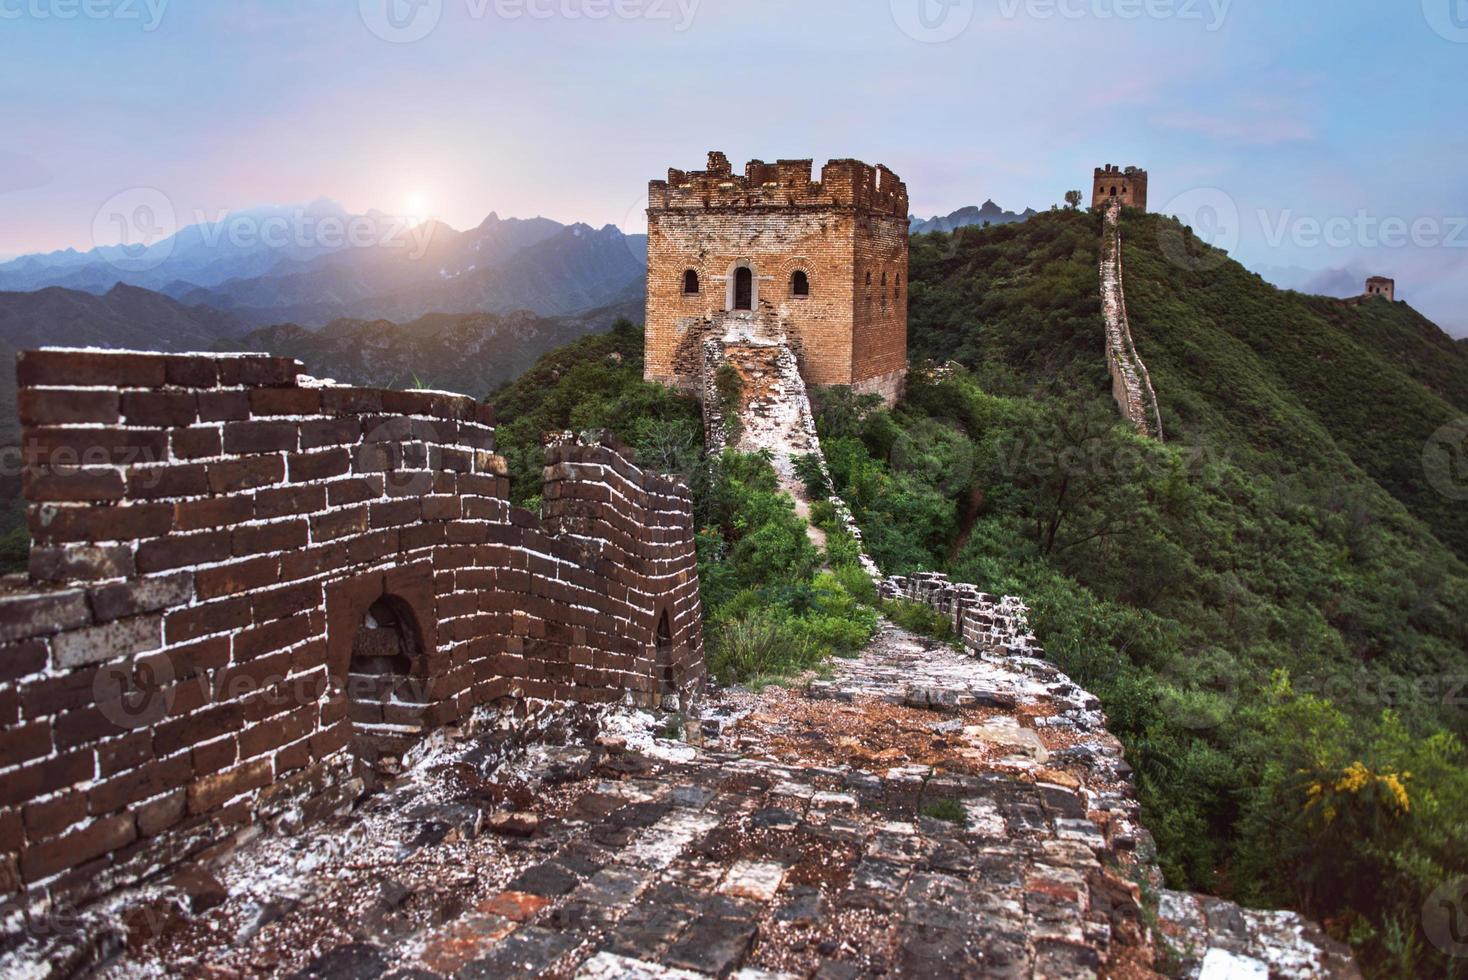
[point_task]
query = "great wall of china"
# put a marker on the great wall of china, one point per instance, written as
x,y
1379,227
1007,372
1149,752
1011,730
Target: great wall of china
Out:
x,y
291,689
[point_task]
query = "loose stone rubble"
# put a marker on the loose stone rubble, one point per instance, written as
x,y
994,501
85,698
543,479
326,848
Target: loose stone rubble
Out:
x,y
923,811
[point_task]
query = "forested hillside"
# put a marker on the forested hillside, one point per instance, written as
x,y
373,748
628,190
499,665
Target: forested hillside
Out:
x,y
1268,606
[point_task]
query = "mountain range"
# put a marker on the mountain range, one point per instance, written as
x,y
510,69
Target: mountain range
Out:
x,y
316,264
988,213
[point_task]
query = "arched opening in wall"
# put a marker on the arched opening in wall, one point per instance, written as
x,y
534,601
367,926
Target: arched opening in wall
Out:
x,y
385,696
1113,192
743,288
663,646
690,283
800,284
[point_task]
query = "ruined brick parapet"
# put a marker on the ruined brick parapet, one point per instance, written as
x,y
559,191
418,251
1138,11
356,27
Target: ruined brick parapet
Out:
x,y
784,184
985,624
249,589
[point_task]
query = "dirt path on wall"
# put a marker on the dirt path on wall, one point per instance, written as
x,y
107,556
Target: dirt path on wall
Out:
x,y
921,812
790,831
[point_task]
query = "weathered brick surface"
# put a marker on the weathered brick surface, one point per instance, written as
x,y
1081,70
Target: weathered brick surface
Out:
x,y
847,233
197,645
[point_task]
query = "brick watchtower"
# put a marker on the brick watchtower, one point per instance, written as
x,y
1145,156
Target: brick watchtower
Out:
x,y
1128,186
1381,286
823,263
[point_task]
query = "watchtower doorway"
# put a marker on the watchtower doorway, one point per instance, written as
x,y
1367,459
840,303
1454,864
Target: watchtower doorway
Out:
x,y
743,288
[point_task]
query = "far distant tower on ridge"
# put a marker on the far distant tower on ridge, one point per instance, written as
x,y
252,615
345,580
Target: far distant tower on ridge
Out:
x,y
1381,286
1112,183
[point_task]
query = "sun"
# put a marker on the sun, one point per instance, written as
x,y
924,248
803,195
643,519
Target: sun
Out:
x,y
417,206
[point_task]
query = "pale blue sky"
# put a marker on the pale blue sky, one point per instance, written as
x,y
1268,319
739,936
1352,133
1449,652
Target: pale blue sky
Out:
x,y
1288,112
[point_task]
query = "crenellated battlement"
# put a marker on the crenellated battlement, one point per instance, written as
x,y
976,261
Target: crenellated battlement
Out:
x,y
783,184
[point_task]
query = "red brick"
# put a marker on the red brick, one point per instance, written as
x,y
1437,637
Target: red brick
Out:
x,y
313,561
279,536
396,513
19,660
246,474
260,437
285,401
212,791
199,442
54,856
196,515
272,635
223,406
175,734
46,776
122,522
123,754
158,815
237,577
353,491
141,595
289,501
213,617
60,406
330,432
71,483
65,447
191,372
287,601
350,401
89,369
338,524
25,743
215,756
304,467
39,614
168,480
165,408
181,550
59,811
71,562
253,371
278,731
139,784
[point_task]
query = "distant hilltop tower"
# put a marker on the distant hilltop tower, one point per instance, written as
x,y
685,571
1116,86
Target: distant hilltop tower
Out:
x,y
1112,183
820,264
1381,286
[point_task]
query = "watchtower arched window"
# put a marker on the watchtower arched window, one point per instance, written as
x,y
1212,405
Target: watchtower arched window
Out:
x,y
800,283
690,282
1113,191
743,288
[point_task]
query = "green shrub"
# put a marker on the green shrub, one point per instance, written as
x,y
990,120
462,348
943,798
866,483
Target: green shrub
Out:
x,y
918,618
947,810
